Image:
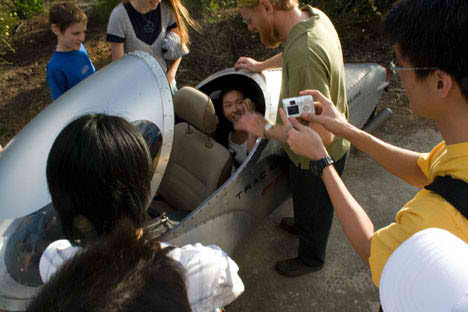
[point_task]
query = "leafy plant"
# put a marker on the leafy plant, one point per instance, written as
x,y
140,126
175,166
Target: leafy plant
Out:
x,y
104,9
28,8
348,11
7,22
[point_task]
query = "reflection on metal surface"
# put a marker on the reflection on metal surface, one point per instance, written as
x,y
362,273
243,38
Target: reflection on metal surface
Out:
x,y
22,242
26,245
153,138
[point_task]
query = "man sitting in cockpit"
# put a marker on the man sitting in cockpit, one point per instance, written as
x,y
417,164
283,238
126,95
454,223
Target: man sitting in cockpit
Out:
x,y
234,104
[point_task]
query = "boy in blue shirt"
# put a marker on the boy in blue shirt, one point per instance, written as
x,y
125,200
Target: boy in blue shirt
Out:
x,y
70,62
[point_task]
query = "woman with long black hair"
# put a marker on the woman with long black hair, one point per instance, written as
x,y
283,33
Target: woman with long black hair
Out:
x,y
99,176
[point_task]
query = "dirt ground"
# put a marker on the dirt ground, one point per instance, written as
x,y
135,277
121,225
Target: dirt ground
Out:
x,y
344,284
24,91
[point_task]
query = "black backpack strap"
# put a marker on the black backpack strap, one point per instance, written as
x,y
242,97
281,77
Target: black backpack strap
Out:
x,y
455,191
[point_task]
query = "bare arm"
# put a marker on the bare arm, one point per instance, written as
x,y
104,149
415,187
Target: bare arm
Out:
x,y
398,161
254,124
117,50
174,66
251,65
249,107
172,70
356,224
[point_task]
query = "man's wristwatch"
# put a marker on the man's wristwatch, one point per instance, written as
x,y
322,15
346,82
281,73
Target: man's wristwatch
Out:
x,y
266,128
317,165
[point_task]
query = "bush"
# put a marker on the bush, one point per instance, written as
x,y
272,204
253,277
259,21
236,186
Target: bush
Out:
x,y
104,9
343,12
28,8
7,23
8,20
346,12
199,8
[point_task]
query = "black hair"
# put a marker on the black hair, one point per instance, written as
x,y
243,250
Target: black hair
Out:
x,y
98,171
120,273
432,34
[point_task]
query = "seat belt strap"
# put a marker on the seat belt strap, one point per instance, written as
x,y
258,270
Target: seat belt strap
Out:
x,y
454,191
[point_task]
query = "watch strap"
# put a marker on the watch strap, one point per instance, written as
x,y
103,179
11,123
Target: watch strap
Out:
x,y
320,164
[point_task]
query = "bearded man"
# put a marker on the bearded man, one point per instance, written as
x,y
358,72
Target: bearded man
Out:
x,y
311,59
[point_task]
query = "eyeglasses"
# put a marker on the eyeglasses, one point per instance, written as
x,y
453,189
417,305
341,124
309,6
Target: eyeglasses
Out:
x,y
394,68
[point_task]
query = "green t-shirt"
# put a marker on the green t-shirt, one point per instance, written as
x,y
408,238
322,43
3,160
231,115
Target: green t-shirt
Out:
x,y
312,59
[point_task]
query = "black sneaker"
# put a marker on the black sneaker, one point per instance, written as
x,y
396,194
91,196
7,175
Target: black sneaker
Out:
x,y
288,224
295,267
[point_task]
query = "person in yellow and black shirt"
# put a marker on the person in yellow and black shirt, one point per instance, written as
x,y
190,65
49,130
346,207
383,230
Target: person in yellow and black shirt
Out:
x,y
434,72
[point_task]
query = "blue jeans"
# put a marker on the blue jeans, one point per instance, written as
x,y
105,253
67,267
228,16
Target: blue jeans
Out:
x,y
313,211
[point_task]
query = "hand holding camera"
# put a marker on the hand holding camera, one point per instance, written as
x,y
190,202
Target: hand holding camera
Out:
x,y
327,115
303,140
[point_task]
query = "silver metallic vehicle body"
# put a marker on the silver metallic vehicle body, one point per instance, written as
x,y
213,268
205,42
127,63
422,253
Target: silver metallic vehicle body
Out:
x,y
260,185
136,88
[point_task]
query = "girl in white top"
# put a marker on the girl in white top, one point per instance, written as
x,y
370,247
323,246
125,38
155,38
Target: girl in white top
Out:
x,y
210,275
99,176
234,104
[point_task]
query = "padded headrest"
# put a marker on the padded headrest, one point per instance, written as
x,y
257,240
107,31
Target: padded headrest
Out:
x,y
196,108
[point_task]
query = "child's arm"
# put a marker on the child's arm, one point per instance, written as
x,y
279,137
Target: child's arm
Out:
x,y
174,65
117,50
172,70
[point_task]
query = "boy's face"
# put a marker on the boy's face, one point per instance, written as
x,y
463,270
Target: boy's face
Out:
x,y
417,91
71,38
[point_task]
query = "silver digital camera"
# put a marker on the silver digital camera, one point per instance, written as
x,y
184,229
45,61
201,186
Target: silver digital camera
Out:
x,y
295,106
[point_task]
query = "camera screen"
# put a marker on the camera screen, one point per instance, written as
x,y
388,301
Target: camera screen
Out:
x,y
293,110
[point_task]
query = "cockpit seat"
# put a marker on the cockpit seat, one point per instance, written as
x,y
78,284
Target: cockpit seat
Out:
x,y
198,165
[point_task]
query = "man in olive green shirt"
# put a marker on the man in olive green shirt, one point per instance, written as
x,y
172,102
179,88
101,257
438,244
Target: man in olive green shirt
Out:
x,y
311,59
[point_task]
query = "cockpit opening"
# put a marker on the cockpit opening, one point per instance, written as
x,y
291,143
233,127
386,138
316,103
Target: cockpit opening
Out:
x,y
200,161
247,88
